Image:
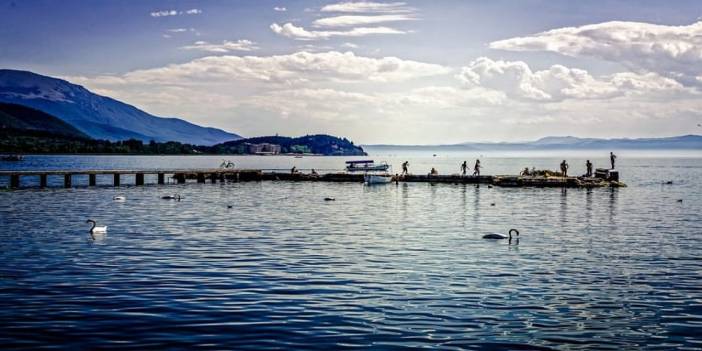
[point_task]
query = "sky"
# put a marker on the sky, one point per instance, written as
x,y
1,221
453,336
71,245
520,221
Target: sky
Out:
x,y
392,72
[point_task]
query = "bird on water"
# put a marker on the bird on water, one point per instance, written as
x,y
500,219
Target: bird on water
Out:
x,y
95,229
497,236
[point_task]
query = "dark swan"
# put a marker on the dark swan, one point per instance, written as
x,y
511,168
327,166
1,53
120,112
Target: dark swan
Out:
x,y
500,236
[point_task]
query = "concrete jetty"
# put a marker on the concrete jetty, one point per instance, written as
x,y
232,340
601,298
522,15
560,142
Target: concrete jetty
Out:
x,y
214,175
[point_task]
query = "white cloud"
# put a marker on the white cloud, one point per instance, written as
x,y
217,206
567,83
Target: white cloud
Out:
x,y
300,67
225,47
344,21
675,51
299,33
518,81
349,45
367,7
280,9
166,13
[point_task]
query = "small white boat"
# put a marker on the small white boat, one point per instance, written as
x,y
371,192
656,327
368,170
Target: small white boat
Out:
x,y
371,179
366,166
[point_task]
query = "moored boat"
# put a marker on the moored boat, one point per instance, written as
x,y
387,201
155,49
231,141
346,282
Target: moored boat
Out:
x,y
366,166
371,179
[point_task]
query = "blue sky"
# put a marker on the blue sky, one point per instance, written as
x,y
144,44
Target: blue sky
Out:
x,y
408,72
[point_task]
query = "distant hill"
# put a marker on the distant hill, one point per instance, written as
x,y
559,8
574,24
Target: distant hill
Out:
x,y
98,116
18,119
315,144
684,142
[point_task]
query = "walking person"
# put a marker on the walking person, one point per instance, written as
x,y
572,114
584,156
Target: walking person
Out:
x,y
564,168
588,168
464,167
476,168
612,158
405,167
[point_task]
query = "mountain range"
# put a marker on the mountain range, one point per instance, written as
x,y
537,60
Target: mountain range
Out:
x,y
98,116
571,143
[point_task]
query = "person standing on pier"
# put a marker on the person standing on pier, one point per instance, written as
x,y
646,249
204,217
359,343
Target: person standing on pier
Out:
x,y
405,167
612,158
476,168
588,168
564,168
293,170
464,167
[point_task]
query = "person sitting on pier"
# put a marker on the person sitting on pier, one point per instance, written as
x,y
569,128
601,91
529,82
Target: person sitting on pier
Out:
x,y
314,173
293,170
433,171
464,167
612,158
564,168
405,167
525,172
588,168
476,168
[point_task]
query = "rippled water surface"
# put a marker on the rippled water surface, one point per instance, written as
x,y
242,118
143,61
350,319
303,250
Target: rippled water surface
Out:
x,y
388,267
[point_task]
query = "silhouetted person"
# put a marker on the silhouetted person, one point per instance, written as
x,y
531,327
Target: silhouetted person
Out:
x,y
293,170
433,171
612,158
464,167
588,168
476,168
314,173
564,168
405,167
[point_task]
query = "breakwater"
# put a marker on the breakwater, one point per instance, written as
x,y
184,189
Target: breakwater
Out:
x,y
214,175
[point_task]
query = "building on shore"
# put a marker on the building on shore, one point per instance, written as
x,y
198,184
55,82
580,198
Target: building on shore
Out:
x,y
263,149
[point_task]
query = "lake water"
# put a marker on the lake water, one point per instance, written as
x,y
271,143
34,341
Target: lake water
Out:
x,y
387,267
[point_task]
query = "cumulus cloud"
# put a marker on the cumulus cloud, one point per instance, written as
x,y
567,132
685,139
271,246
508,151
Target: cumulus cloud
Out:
x,y
166,13
298,68
280,9
345,21
367,7
299,33
224,47
675,51
517,80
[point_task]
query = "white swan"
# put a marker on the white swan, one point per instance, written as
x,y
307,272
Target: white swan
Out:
x,y
500,236
95,229
120,198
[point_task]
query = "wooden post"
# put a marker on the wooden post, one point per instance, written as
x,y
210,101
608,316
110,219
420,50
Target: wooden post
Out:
x,y
43,181
67,180
116,179
221,177
180,177
201,177
161,178
139,179
14,181
92,179
213,178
